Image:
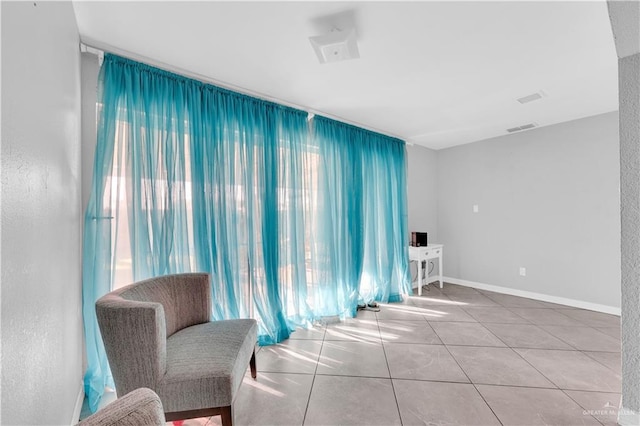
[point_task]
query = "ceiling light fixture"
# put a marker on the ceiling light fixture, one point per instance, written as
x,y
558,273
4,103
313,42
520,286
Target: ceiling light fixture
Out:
x,y
338,45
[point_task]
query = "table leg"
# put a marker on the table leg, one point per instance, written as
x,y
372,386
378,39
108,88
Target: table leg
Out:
x,y
426,270
419,262
440,268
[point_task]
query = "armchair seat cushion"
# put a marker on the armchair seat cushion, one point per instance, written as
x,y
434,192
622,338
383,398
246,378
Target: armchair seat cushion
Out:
x,y
206,364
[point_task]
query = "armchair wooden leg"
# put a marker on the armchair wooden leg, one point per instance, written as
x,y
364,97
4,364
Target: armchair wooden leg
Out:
x,y
227,415
252,364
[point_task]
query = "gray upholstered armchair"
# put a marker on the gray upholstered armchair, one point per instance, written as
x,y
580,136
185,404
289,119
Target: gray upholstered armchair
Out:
x,y
158,334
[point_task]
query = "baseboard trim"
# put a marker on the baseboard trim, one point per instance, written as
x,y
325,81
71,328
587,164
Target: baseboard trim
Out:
x,y
536,296
628,417
78,408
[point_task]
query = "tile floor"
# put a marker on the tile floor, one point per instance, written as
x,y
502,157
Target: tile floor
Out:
x,y
455,356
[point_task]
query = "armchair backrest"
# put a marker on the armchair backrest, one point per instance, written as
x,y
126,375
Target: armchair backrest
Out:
x,y
186,298
136,320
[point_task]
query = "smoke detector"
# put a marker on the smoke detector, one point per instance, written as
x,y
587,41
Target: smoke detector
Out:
x,y
336,46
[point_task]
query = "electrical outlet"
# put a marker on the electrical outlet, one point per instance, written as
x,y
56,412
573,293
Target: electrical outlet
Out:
x,y
475,208
523,271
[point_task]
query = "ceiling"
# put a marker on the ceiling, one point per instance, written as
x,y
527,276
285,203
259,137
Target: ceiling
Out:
x,y
437,74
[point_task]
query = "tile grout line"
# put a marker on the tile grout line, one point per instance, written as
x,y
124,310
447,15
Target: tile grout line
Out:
x,y
485,401
548,378
544,331
598,361
576,326
475,346
558,387
494,384
580,323
393,388
533,366
471,382
313,380
580,405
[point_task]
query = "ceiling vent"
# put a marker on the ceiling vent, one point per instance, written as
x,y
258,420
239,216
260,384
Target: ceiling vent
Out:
x,y
336,46
530,98
523,127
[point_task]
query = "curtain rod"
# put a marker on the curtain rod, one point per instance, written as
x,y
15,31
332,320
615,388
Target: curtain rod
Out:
x,y
96,48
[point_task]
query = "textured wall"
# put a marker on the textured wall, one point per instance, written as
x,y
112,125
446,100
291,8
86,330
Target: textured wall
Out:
x,y
41,213
89,76
629,70
625,23
548,201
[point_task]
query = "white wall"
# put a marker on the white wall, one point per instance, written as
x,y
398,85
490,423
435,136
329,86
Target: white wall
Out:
x,y
422,195
41,214
548,201
422,191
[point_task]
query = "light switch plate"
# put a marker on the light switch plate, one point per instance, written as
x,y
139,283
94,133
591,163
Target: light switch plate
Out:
x,y
475,208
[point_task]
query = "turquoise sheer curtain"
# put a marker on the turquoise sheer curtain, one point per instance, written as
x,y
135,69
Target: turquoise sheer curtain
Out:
x,y
386,257
97,258
296,220
364,213
239,152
